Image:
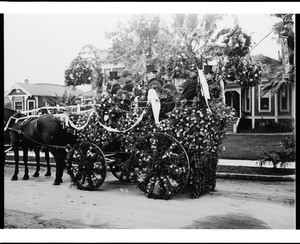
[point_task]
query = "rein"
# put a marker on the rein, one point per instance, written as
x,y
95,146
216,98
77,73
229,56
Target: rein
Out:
x,y
42,144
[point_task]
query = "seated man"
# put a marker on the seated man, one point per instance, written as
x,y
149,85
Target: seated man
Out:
x,y
114,82
190,90
127,76
156,84
153,82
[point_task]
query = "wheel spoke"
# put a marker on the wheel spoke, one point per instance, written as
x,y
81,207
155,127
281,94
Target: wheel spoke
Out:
x,y
163,165
91,170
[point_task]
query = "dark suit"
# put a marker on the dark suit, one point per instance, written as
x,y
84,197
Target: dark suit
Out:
x,y
190,91
128,86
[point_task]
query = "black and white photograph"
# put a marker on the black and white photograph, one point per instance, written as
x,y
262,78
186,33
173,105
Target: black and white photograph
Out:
x,y
157,121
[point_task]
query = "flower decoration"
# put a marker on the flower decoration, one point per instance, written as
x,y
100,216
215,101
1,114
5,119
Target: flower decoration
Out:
x,y
245,72
83,70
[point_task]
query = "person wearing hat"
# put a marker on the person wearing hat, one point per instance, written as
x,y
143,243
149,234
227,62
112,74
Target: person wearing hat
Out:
x,y
190,90
168,83
127,76
209,74
153,82
113,84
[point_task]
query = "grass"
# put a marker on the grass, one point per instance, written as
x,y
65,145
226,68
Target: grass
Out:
x,y
249,147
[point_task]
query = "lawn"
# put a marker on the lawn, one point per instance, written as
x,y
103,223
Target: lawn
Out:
x,y
249,147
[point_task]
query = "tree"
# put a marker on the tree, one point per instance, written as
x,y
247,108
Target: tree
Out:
x,y
85,68
200,40
194,42
142,40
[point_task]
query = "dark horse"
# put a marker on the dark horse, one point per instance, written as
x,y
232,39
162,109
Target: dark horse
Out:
x,y
8,113
46,131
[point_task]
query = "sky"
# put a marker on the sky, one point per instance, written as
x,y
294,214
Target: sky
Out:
x,y
40,46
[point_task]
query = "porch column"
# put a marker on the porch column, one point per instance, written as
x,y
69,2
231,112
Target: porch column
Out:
x,y
276,107
253,108
36,102
240,101
293,103
25,103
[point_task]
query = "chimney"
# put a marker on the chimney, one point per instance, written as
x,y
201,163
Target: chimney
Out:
x,y
74,88
26,81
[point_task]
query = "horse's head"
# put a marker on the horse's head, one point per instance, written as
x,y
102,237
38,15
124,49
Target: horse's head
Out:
x,y
8,113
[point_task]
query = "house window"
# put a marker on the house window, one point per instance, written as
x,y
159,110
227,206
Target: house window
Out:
x,y
18,106
284,95
264,102
247,99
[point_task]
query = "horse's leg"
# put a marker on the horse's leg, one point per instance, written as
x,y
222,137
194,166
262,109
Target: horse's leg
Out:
x,y
16,154
25,159
59,156
37,158
48,173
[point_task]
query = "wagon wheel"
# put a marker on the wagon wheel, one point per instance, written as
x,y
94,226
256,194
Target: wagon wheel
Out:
x,y
122,168
162,165
90,171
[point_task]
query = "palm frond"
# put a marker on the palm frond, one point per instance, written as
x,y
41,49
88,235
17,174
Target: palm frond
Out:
x,y
222,32
278,80
191,22
178,20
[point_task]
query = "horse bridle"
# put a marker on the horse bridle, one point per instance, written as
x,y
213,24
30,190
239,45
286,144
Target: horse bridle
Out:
x,y
9,120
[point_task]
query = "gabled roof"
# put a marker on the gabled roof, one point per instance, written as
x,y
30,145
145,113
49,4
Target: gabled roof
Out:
x,y
269,65
105,56
45,89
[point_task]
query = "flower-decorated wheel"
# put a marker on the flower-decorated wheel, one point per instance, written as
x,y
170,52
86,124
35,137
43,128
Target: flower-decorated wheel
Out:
x,y
162,165
89,166
122,168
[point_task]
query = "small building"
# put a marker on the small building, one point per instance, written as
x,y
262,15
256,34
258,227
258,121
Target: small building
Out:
x,y
26,96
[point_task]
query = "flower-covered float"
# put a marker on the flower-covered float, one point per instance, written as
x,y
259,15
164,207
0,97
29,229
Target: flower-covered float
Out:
x,y
161,154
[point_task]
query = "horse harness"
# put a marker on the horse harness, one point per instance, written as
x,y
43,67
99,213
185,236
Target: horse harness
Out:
x,y
26,120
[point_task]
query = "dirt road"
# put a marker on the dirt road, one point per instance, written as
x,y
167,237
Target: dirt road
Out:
x,y
37,204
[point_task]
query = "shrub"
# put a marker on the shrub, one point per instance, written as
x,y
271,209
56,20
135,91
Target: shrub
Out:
x,y
286,153
272,126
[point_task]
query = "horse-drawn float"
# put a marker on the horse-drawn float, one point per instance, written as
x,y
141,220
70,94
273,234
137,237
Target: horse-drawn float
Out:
x,y
161,144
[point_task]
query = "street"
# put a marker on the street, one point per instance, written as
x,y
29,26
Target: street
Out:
x,y
37,204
